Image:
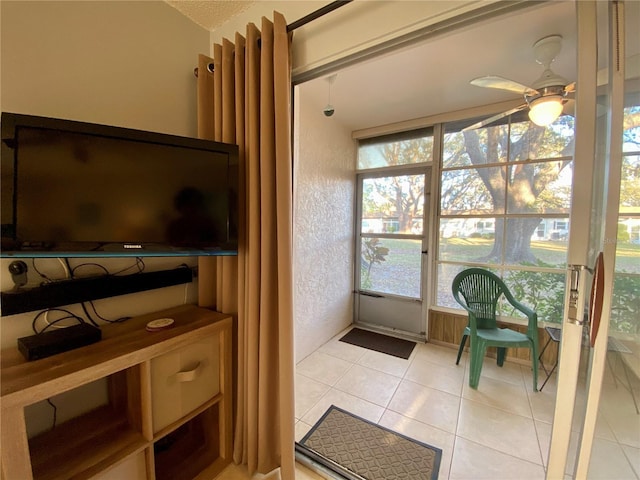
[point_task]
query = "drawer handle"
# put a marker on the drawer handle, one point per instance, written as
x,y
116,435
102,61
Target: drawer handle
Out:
x,y
188,375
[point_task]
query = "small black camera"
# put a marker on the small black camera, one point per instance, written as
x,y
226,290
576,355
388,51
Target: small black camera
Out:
x,y
18,270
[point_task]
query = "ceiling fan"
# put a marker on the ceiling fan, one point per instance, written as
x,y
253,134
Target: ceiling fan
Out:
x,y
544,98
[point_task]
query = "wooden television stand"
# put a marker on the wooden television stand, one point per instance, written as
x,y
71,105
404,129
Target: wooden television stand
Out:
x,y
168,411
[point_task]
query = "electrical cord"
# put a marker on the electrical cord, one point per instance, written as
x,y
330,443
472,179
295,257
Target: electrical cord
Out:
x,y
86,312
55,413
57,320
139,264
47,279
50,324
42,275
117,320
71,274
73,270
66,267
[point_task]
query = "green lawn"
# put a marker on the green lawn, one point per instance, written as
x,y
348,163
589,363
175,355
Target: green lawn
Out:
x,y
399,274
407,252
550,252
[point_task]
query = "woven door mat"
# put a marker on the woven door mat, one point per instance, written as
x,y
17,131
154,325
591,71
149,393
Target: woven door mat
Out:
x,y
360,449
380,343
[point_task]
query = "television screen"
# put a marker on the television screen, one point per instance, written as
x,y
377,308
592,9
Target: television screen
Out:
x,y
79,189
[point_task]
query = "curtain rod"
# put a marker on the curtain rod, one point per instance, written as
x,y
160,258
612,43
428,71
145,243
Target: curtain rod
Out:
x,y
317,14
303,21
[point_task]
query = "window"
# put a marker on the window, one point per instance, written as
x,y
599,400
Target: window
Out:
x,y
625,304
390,244
397,149
505,197
393,184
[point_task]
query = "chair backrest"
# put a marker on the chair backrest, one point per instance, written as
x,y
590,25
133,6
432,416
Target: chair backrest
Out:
x,y
480,291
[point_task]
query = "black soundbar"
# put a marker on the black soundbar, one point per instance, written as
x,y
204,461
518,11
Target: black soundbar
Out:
x,y
68,292
58,340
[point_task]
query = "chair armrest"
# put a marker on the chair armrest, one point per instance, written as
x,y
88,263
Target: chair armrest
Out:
x,y
522,307
532,316
519,306
472,323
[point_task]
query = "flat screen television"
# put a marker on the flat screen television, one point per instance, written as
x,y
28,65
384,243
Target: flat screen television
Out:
x,y
73,188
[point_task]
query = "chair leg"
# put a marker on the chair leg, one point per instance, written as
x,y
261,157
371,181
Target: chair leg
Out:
x,y
460,350
502,353
534,361
478,350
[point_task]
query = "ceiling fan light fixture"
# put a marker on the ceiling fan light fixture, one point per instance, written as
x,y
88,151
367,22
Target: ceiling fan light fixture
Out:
x,y
544,111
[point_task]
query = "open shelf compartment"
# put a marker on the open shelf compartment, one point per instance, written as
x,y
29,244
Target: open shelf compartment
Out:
x,y
189,449
93,441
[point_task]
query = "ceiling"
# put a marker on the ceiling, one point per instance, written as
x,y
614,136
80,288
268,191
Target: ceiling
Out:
x,y
431,77
210,14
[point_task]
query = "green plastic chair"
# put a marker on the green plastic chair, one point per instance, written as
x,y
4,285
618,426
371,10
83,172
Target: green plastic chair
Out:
x,y
478,291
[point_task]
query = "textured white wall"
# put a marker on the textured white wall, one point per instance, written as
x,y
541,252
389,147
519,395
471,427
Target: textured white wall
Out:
x,y
324,176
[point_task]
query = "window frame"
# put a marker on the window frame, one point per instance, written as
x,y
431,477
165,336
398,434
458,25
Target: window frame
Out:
x,y
431,274
503,269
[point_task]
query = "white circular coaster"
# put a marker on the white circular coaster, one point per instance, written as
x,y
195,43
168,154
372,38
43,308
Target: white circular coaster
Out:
x,y
159,324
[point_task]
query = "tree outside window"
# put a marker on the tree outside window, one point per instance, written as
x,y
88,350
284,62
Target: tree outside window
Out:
x,y
504,205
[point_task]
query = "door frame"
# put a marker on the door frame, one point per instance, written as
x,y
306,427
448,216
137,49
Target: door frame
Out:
x,y
427,170
587,238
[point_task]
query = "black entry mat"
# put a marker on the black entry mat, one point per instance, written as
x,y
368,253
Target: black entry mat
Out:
x,y
359,449
380,343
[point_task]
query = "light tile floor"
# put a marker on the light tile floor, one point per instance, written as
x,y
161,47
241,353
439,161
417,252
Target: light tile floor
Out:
x,y
501,430
239,472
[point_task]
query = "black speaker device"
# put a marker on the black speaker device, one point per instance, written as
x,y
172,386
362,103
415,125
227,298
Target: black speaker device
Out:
x,y
58,340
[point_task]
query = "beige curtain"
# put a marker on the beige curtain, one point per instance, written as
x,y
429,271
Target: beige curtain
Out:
x,y
246,100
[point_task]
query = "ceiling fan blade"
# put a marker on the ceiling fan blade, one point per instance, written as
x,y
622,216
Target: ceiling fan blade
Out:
x,y
493,81
570,88
490,120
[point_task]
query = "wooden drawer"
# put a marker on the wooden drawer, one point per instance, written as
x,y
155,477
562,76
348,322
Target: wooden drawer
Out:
x,y
184,379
